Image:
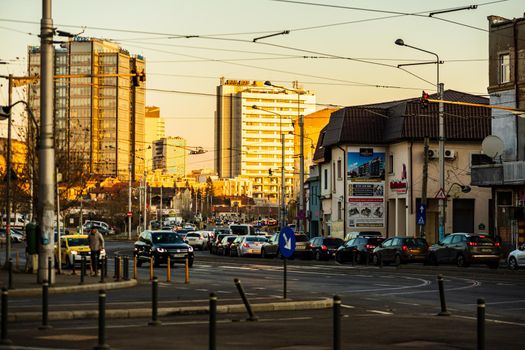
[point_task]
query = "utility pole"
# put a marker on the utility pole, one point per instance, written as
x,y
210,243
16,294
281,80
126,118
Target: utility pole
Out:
x,y
160,211
8,182
283,185
302,216
59,248
46,198
129,203
145,200
441,159
424,183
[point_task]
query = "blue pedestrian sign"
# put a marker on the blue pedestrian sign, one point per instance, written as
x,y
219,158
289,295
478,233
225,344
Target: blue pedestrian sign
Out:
x,y
421,214
286,242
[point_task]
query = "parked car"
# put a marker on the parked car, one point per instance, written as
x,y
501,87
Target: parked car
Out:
x,y
301,245
223,248
516,258
160,245
323,248
101,227
399,250
197,239
362,247
73,248
464,249
216,241
234,246
270,248
250,245
16,235
355,234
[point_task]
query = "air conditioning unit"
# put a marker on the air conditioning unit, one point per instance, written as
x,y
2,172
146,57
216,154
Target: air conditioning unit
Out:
x,y
450,154
432,153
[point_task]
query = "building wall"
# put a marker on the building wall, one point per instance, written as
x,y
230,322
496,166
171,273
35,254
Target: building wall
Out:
x,y
154,129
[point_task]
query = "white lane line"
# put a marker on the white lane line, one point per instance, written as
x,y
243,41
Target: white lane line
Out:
x,y
411,304
473,284
347,306
380,312
492,320
505,284
201,289
503,302
423,283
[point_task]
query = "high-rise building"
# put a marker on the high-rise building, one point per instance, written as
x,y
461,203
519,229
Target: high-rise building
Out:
x,y
99,108
249,121
170,154
155,130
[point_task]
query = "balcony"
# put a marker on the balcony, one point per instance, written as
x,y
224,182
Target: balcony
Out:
x,y
506,173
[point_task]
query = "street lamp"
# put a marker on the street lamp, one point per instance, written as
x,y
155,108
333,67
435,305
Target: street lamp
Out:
x,y
439,86
300,119
282,220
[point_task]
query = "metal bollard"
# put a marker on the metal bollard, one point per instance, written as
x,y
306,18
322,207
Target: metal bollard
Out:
x,y
337,322
251,316
17,260
3,337
126,268
443,311
73,272
115,269
481,324
213,322
168,270
134,267
367,258
10,272
154,302
101,322
105,266
45,306
82,269
49,270
187,270
151,268
103,262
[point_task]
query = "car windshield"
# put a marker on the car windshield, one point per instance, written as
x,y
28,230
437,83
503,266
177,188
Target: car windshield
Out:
x,y
480,239
416,242
193,235
375,241
301,238
256,239
332,242
166,237
77,241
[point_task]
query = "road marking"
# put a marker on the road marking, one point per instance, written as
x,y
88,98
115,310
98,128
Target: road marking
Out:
x,y
201,289
503,302
505,284
381,312
347,306
492,320
411,304
423,283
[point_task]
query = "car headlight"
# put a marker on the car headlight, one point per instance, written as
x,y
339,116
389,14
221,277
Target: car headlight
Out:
x,y
190,248
161,250
74,252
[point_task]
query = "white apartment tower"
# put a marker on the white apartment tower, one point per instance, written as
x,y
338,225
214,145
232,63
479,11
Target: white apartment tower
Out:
x,y
249,121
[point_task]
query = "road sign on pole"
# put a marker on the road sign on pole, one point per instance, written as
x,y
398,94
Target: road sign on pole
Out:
x,y
421,214
441,194
286,242
130,214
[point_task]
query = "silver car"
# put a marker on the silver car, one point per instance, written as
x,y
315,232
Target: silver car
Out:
x,y
251,245
516,258
197,240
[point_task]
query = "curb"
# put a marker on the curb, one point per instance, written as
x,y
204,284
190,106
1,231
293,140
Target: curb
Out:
x,y
73,289
171,311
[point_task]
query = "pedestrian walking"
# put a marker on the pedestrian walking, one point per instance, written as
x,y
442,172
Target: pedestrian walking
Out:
x,y
96,244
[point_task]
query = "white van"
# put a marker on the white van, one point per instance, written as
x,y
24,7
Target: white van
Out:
x,y
242,229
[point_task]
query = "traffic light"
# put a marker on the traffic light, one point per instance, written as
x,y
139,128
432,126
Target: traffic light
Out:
x,y
270,172
5,112
135,78
424,100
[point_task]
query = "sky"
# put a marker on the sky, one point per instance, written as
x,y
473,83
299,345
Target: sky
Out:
x,y
343,50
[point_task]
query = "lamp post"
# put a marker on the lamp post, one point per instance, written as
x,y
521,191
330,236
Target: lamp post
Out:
x,y
282,220
439,86
300,119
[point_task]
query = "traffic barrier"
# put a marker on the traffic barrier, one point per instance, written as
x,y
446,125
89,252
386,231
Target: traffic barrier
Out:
x,y
102,322
82,269
154,303
251,316
213,322
481,324
45,306
10,274
337,322
3,337
187,270
168,270
441,287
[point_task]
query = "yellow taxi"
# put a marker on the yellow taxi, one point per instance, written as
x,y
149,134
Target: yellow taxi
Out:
x,y
74,247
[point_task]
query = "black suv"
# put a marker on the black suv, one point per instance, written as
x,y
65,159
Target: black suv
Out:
x,y
464,249
361,247
160,245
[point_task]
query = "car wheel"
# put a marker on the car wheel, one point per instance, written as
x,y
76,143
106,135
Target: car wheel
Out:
x,y
397,260
513,263
263,254
317,256
433,260
460,261
376,259
338,258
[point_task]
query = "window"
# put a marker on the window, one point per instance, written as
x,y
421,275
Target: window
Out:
x,y
504,68
339,210
325,179
339,169
333,177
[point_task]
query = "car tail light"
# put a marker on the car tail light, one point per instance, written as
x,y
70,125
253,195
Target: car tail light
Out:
x,y
323,247
497,244
246,245
405,248
370,246
481,236
472,244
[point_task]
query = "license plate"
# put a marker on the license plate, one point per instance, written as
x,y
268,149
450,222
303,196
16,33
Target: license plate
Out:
x,y
178,255
486,250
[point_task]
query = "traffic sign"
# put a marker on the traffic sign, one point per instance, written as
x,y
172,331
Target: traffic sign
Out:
x,y
421,214
130,214
286,242
441,194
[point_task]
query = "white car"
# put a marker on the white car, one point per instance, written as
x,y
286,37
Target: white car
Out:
x,y
516,258
251,245
197,239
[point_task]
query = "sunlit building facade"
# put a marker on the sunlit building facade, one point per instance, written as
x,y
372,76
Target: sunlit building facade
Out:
x,y
170,154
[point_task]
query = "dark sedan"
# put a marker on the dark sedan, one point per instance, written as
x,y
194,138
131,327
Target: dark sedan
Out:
x,y
358,249
323,248
161,244
399,250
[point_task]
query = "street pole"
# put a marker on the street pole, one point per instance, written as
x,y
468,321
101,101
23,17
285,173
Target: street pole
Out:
x,y
160,213
441,158
8,183
129,204
145,200
46,198
424,183
283,212
302,216
59,248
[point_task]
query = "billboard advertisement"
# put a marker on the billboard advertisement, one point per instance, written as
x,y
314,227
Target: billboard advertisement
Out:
x,y
367,165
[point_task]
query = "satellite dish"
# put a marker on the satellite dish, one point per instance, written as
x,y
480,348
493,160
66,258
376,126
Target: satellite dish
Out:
x,y
492,146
